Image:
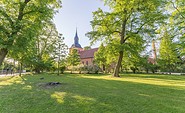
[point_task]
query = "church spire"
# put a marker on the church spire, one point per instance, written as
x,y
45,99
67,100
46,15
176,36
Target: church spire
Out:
x,y
76,37
76,41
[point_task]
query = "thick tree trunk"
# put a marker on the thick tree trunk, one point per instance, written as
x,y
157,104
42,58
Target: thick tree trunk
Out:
x,y
116,71
3,53
122,41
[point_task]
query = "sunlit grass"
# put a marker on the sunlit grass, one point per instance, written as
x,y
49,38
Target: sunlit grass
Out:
x,y
132,93
147,80
59,96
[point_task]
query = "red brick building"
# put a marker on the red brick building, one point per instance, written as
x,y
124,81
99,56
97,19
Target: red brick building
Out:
x,y
86,56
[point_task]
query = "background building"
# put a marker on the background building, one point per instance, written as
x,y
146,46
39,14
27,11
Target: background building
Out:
x,y
86,56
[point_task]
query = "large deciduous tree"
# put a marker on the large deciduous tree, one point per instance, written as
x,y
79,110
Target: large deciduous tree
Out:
x,y
126,19
177,22
22,18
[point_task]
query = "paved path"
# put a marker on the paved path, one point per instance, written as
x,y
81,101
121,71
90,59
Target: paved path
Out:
x,y
7,75
4,75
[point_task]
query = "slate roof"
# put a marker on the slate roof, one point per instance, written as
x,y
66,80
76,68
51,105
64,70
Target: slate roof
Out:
x,y
88,53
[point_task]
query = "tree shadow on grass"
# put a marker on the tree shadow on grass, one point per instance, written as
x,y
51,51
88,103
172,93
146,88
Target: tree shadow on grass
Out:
x,y
80,94
159,76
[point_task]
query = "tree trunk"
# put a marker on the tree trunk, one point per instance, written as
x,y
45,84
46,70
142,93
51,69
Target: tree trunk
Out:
x,y
20,69
37,70
116,71
146,70
3,53
122,41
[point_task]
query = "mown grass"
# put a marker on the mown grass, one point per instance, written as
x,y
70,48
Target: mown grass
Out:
x,y
132,93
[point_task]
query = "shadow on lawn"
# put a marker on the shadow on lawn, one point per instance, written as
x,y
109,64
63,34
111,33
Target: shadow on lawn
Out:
x,y
80,94
159,76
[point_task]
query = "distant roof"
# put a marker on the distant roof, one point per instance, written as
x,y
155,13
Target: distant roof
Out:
x,y
88,53
76,45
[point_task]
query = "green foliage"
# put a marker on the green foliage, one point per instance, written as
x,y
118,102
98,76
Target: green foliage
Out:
x,y
41,51
74,58
21,21
132,56
168,54
100,57
87,47
147,65
126,20
61,54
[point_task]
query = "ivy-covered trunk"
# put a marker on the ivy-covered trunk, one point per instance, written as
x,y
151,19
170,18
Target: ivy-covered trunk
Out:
x,y
3,53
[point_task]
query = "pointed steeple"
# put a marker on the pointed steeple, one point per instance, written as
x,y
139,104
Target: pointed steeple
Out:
x,y
76,41
76,38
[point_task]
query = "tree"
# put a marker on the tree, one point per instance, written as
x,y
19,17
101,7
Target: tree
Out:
x,y
39,51
132,56
46,44
61,52
87,47
177,22
22,19
126,19
100,57
168,55
74,58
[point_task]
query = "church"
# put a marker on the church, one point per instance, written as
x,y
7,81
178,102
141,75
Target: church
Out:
x,y
86,56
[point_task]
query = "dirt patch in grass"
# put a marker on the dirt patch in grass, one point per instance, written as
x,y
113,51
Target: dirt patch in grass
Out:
x,y
49,84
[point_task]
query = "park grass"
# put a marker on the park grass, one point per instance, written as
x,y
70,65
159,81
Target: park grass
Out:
x,y
132,93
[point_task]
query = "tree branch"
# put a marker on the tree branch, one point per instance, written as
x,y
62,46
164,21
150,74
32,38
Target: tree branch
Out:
x,y
177,10
141,26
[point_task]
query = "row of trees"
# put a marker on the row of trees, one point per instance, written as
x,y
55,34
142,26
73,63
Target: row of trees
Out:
x,y
130,24
28,35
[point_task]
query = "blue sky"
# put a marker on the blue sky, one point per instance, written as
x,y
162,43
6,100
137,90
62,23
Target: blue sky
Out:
x,y
77,13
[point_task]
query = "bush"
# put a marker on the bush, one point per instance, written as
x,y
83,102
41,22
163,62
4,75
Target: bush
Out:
x,y
62,69
90,69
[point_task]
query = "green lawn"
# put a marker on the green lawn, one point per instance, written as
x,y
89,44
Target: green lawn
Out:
x,y
137,93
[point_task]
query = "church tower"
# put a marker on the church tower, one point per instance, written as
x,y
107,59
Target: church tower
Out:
x,y
76,44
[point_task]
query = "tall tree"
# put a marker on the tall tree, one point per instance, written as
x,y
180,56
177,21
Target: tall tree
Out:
x,y
126,19
132,56
168,55
61,52
74,58
39,51
22,18
100,57
177,22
